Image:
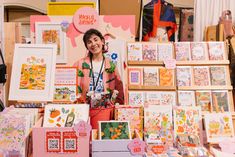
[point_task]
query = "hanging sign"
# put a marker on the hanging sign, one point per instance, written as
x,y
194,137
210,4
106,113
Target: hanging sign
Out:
x,y
137,147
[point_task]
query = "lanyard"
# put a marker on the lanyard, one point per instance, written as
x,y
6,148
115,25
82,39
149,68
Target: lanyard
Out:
x,y
93,77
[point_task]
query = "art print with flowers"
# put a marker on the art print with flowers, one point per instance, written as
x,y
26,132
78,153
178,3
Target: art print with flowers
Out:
x,y
135,98
201,76
168,98
165,51
219,127
218,75
149,51
184,76
187,120
158,124
182,51
216,51
34,72
134,51
199,51
166,77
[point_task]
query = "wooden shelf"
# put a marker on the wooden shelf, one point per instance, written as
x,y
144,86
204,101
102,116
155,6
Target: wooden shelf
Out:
x,y
157,88
145,63
207,62
206,88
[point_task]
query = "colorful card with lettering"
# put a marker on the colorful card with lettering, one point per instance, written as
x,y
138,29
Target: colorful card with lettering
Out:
x,y
183,76
53,141
186,98
165,51
135,98
135,76
149,51
203,99
70,142
216,51
218,75
220,101
152,98
166,77
182,51
187,120
66,76
151,77
134,51
201,75
219,127
199,51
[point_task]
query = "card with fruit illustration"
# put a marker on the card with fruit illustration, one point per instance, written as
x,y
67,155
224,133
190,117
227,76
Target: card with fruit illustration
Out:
x,y
165,51
218,75
158,124
187,120
134,51
219,126
216,51
151,77
65,115
184,76
201,75
203,99
199,51
114,130
182,51
166,77
149,51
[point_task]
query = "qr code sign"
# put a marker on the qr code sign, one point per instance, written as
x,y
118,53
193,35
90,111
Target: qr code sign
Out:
x,y
53,141
53,144
70,144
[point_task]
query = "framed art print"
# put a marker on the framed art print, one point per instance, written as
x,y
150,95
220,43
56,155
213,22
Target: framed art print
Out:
x,y
33,72
66,75
51,33
135,76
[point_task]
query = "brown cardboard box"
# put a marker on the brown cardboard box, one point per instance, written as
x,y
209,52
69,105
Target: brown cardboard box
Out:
x,y
122,7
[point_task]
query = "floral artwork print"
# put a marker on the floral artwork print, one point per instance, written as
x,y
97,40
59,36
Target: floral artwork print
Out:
x,y
199,50
136,98
183,75
33,74
216,50
165,51
218,75
51,37
201,76
182,50
134,51
166,77
149,51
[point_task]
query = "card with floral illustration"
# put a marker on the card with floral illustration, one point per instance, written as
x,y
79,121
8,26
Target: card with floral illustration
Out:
x,y
186,98
135,98
220,101
133,115
216,51
152,98
182,51
187,120
134,51
165,51
151,77
65,115
114,130
149,51
218,75
199,51
166,77
158,124
219,127
203,99
135,76
184,76
201,75
168,98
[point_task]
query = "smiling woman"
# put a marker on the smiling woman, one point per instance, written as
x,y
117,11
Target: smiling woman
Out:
x,y
96,73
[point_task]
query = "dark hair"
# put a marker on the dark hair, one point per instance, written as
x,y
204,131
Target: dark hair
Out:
x,y
91,32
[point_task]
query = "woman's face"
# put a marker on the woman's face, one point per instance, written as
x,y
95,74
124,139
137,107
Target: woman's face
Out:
x,y
95,44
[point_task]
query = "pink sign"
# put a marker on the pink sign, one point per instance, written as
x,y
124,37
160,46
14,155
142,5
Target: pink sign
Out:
x,y
82,129
170,63
137,147
85,18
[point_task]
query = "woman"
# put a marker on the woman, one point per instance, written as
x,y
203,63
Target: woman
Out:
x,y
95,72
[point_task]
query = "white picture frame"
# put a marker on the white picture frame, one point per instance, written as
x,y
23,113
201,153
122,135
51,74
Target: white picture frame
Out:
x,y
44,27
28,86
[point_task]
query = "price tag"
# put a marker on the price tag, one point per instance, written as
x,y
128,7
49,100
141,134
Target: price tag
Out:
x,y
137,147
170,63
82,129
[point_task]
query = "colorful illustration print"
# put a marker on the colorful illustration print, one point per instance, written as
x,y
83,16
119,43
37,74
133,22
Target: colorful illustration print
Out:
x,y
33,74
134,51
182,50
203,99
149,51
220,101
51,37
218,75
151,77
183,75
65,93
166,77
136,98
201,76
135,76
165,51
199,50
168,98
216,50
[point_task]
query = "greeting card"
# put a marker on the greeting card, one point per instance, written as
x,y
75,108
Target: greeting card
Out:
x,y
168,98
65,115
135,76
199,51
158,124
186,98
183,76
182,51
66,76
220,101
149,51
152,98
151,77
135,98
203,99
65,93
201,76
165,51
216,50
134,51
166,77
219,127
187,120
218,75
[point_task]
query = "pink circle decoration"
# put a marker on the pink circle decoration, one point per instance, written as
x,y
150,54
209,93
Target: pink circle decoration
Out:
x,y
85,18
